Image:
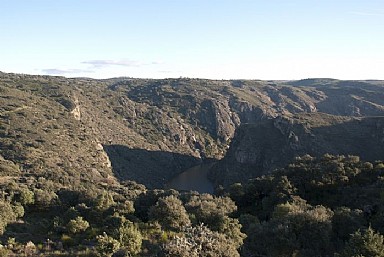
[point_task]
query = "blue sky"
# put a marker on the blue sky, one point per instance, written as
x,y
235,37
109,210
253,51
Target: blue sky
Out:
x,y
216,39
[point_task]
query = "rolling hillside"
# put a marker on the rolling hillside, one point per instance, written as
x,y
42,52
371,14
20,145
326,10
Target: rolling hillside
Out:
x,y
149,130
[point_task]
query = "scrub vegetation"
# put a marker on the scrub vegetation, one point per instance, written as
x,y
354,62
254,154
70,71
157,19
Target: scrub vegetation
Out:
x,y
84,163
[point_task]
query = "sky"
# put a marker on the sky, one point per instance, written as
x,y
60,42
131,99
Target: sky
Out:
x,y
213,39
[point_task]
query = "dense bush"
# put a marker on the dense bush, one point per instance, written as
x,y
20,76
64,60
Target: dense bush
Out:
x,y
314,207
170,213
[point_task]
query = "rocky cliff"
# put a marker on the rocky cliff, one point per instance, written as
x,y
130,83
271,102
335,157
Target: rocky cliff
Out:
x,y
258,149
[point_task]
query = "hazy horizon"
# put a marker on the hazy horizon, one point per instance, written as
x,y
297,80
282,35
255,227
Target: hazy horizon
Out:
x,y
181,77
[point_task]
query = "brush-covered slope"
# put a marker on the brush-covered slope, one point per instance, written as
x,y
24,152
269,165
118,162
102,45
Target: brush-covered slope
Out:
x,y
40,137
149,130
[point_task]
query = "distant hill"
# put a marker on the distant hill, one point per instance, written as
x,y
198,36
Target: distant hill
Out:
x,y
74,130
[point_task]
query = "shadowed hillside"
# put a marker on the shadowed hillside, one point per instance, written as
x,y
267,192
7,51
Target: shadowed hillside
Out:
x,y
260,148
139,164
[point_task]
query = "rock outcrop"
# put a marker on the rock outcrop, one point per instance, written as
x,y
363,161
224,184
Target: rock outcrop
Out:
x,y
258,149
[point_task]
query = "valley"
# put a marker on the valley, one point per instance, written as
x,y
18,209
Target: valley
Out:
x,y
81,156
164,126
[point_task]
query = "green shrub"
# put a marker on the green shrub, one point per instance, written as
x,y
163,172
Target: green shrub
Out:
x,y
77,225
106,245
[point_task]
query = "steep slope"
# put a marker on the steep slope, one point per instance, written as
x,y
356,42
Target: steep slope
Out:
x,y
44,139
258,149
148,129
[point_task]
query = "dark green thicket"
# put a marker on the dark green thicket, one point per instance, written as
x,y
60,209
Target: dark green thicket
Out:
x,y
312,207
